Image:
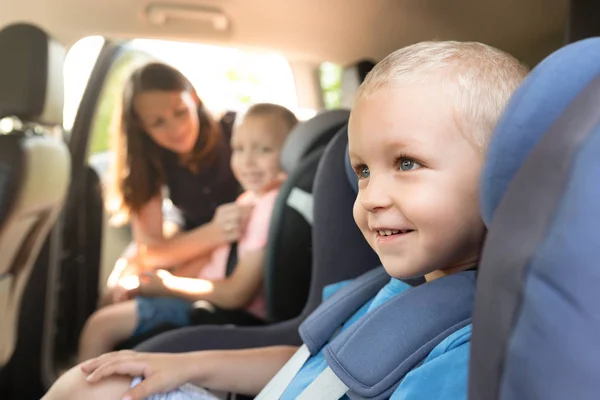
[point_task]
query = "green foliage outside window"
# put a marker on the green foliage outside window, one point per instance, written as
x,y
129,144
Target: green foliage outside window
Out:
x,y
110,102
330,75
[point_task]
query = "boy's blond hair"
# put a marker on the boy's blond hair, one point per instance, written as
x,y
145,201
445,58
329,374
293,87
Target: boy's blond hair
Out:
x,y
478,79
272,111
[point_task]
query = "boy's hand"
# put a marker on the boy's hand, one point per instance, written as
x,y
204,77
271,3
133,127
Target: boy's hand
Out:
x,y
231,220
161,372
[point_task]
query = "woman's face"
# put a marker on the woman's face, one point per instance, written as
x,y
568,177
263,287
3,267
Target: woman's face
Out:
x,y
170,118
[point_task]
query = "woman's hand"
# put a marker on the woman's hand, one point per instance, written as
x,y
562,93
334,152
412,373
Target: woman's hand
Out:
x,y
119,294
124,267
161,372
231,219
152,284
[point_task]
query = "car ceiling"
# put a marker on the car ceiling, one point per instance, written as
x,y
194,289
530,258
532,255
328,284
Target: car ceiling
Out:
x,y
315,30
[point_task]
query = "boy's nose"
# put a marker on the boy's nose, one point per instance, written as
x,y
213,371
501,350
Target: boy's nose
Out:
x,y
247,158
375,194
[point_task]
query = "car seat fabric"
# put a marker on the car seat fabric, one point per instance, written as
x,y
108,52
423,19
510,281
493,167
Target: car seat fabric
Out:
x,y
368,357
31,83
535,106
350,174
34,168
345,258
288,255
537,321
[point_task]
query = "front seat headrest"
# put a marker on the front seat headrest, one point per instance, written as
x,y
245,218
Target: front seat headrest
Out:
x,y
31,75
352,77
534,107
311,134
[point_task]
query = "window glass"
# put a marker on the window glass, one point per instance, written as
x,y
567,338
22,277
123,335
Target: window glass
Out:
x,y
330,76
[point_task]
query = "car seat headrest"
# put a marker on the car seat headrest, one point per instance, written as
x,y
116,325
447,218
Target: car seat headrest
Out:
x,y
538,275
31,75
350,174
534,107
352,77
309,135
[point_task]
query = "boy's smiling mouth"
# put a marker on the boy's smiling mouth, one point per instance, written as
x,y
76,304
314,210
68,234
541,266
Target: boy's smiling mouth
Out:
x,y
390,232
386,234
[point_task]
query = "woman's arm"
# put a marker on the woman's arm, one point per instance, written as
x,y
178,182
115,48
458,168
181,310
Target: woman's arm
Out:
x,y
234,292
226,226
147,224
155,251
181,248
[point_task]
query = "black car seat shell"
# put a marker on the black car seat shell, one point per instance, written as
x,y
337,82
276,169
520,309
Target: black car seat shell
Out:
x,y
289,251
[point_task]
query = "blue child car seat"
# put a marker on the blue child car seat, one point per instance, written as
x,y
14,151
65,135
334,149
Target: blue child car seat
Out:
x,y
537,320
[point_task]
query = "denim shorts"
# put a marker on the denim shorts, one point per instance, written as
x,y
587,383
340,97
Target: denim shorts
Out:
x,y
155,311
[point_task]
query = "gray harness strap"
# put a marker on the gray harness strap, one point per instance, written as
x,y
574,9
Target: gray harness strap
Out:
x,y
322,324
372,356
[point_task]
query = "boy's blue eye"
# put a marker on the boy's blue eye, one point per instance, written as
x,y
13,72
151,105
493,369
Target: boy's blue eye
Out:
x,y
363,172
406,164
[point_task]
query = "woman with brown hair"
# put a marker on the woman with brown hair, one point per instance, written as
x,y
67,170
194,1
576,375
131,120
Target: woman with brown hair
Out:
x,y
169,140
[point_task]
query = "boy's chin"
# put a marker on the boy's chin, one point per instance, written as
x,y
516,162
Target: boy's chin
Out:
x,y
402,268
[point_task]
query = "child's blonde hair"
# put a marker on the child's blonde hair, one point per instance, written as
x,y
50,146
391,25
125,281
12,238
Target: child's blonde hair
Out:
x,y
277,111
478,79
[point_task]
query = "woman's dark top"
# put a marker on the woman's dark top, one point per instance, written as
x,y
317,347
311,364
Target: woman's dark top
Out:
x,y
197,195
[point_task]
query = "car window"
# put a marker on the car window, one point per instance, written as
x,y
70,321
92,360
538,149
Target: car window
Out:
x,y
226,79
330,77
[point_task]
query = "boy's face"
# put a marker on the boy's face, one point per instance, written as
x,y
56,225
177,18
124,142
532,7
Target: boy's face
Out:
x,y
256,146
417,204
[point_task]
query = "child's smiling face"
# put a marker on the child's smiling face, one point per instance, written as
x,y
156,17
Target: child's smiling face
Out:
x,y
418,203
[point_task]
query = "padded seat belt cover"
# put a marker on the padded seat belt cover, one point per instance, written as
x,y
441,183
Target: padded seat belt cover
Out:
x,y
321,325
374,354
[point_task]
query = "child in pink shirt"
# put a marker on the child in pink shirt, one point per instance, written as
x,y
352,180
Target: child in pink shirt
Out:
x,y
164,298
254,239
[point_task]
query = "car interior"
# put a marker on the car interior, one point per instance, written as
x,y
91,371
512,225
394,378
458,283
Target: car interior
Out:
x,y
61,79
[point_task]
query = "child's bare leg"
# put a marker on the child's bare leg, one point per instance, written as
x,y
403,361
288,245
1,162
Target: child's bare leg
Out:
x,y
106,328
72,385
